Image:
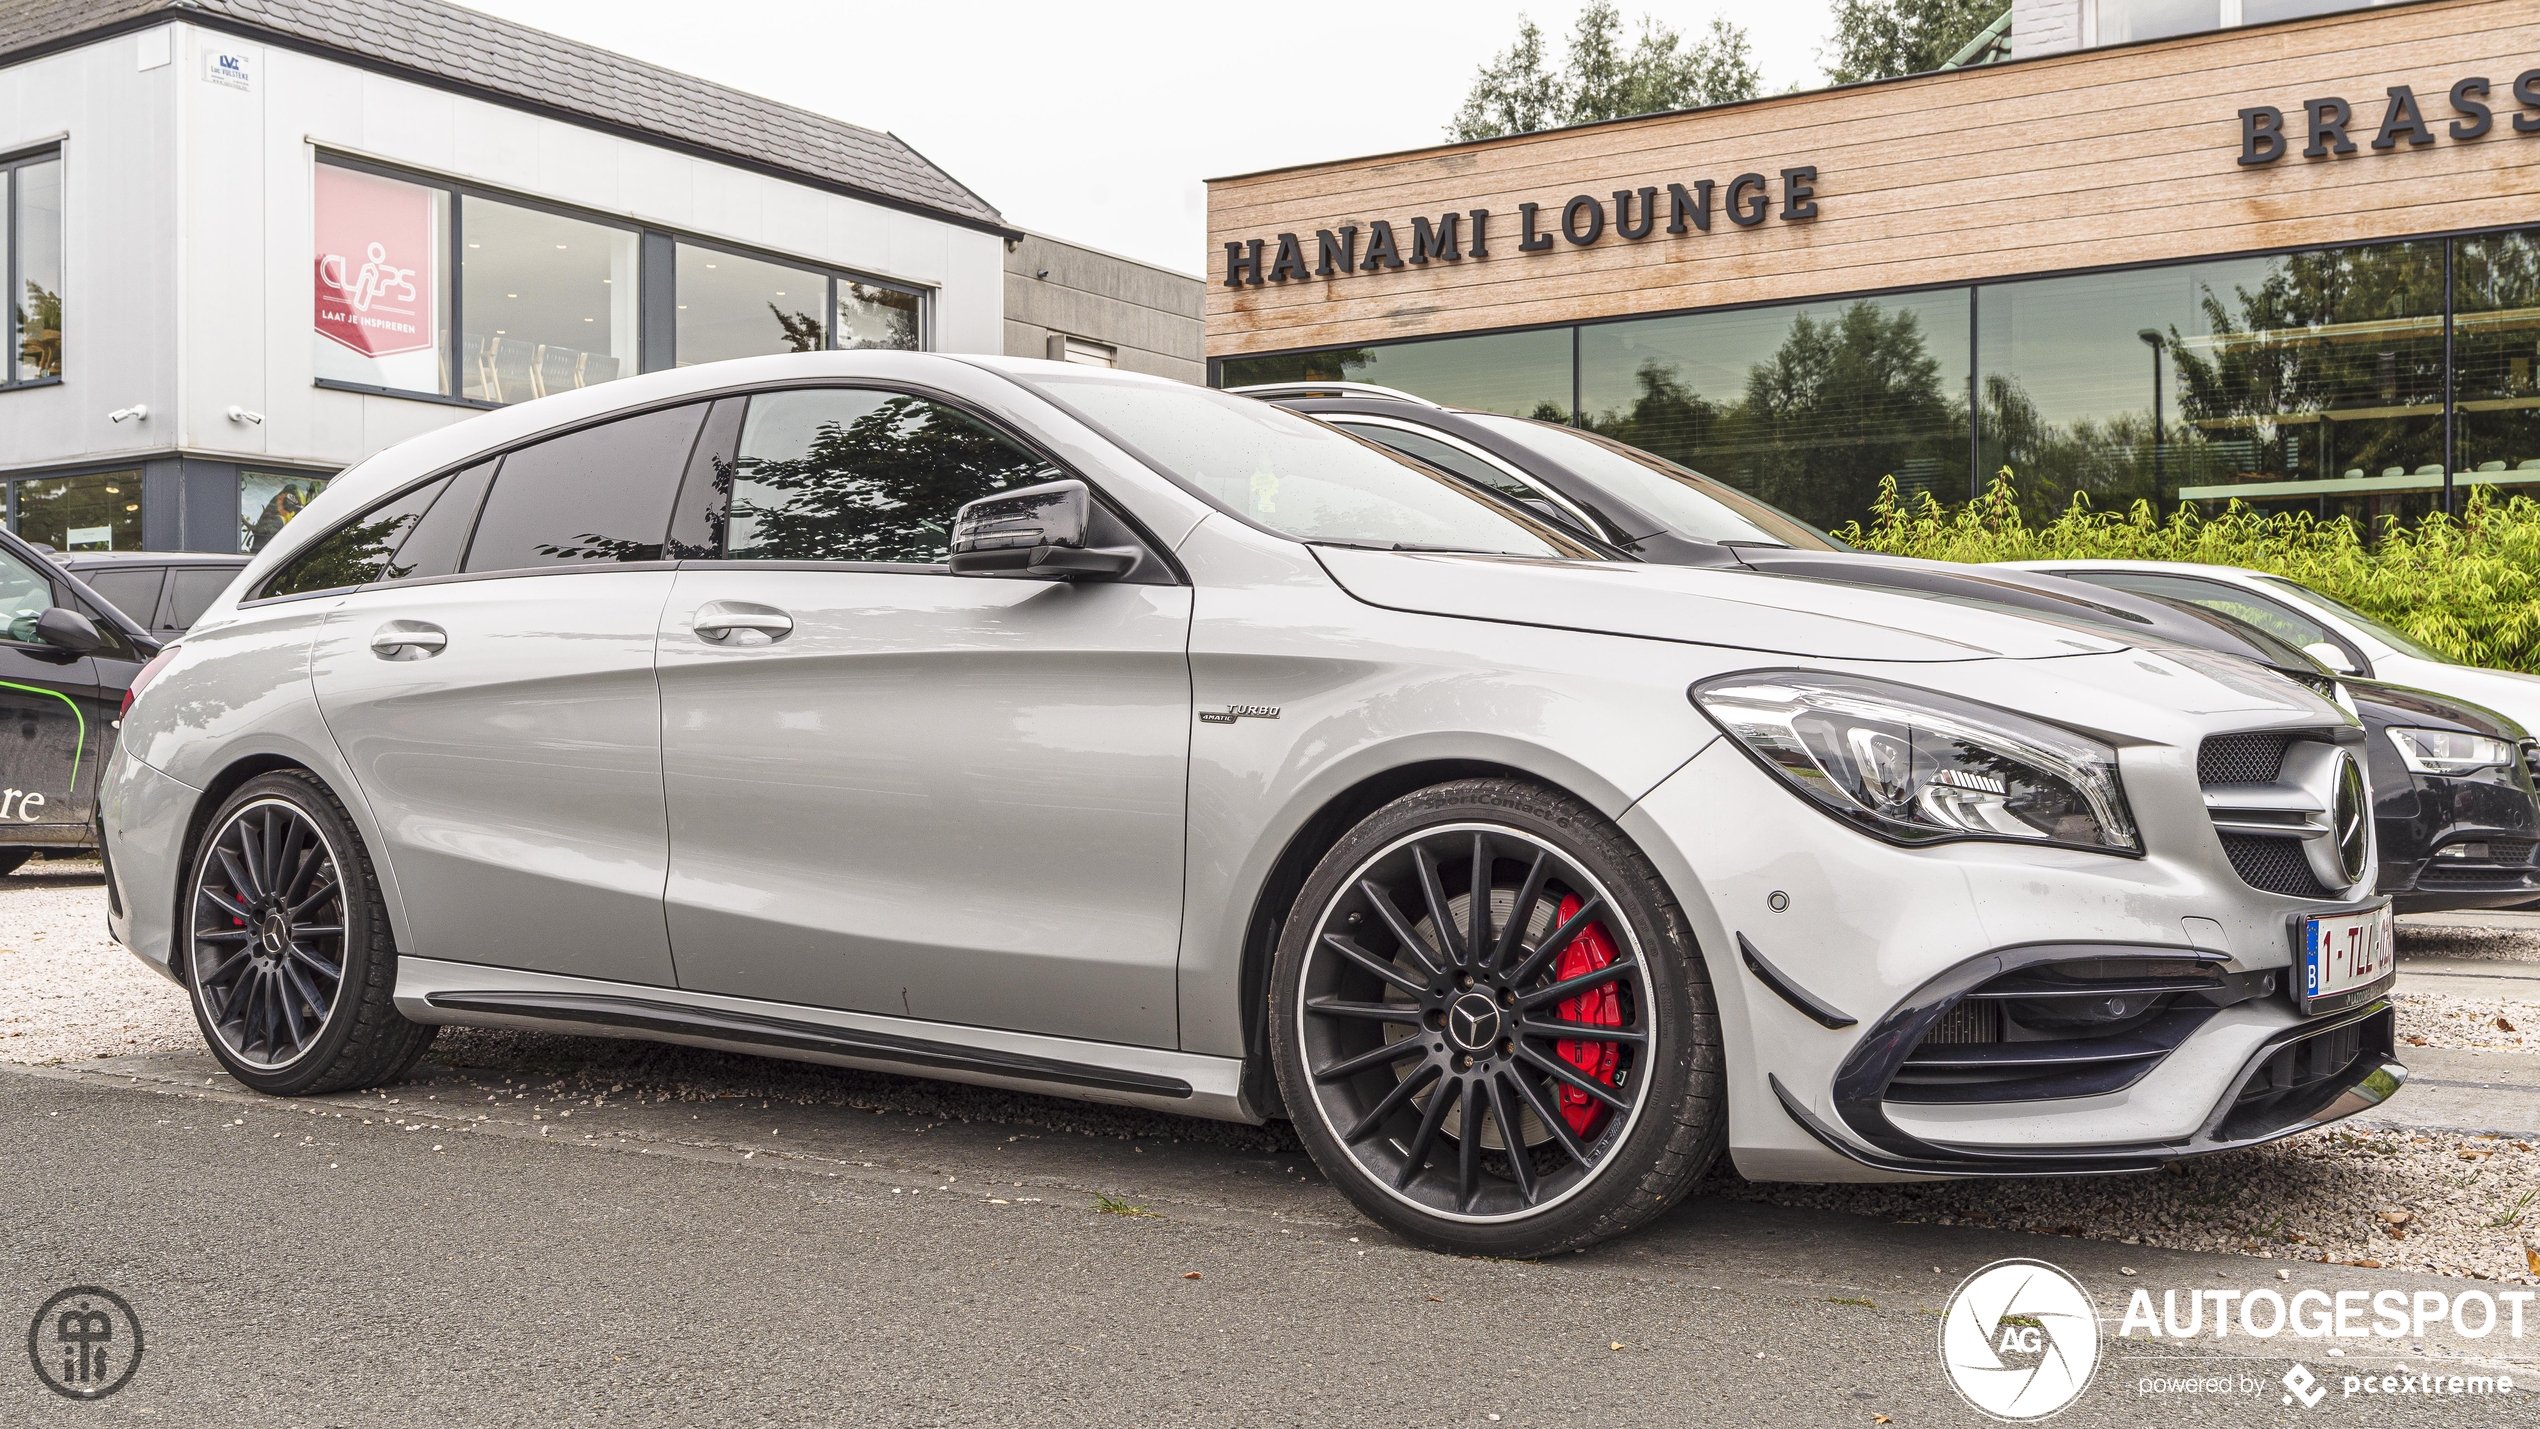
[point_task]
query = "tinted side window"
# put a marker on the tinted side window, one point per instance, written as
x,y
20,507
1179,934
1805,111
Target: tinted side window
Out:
x,y
836,474
434,546
132,590
25,593
599,494
191,591
1445,458
353,552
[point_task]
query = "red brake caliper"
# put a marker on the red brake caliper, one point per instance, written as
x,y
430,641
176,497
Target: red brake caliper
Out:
x,y
1599,1006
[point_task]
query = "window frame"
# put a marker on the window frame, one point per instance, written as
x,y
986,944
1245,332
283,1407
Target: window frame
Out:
x,y
656,313
10,164
1162,553
831,274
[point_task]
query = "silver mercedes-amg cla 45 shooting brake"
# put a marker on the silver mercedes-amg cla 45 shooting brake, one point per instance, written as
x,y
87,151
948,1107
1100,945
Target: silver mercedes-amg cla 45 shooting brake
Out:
x,y
1085,733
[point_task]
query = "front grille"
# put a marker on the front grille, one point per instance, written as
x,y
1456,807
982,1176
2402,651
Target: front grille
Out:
x,y
1966,1025
2274,864
2072,1029
2480,863
2241,758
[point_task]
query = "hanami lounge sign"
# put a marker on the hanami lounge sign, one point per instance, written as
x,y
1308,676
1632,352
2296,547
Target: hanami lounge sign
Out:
x,y
1632,216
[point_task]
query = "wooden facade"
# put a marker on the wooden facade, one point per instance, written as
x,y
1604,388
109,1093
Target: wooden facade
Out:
x,y
2072,161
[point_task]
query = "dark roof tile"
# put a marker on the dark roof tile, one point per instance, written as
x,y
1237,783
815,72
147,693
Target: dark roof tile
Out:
x,y
466,50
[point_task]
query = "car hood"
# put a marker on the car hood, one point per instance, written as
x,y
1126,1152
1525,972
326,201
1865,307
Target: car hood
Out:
x,y
1740,609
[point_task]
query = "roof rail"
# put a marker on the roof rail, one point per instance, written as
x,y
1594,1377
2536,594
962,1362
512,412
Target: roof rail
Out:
x,y
1268,390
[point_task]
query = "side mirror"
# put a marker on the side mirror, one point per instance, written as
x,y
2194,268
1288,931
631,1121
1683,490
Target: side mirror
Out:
x,y
2334,658
1035,533
69,631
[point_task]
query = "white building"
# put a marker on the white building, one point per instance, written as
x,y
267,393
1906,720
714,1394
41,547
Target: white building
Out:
x,y
250,242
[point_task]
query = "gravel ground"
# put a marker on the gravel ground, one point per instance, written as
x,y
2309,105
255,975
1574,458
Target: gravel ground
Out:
x,y
2451,1204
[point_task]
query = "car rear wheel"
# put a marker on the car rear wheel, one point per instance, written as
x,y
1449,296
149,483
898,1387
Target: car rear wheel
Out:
x,y
288,951
1491,1024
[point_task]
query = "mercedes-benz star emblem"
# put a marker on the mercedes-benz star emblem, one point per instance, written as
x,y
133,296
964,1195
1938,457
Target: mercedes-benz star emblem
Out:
x,y
2348,814
1473,1021
276,935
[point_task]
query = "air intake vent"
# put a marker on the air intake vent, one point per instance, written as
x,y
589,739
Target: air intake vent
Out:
x,y
2276,865
2241,759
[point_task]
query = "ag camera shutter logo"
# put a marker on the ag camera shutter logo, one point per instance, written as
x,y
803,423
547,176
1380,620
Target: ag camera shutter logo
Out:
x,y
2020,1340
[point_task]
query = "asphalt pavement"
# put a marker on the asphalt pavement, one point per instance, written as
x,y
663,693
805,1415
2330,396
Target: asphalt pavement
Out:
x,y
470,1249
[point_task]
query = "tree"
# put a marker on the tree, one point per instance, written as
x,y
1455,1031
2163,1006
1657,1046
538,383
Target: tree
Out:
x,y
1604,77
1881,39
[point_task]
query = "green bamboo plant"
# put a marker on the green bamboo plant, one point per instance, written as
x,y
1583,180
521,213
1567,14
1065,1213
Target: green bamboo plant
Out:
x,y
2466,584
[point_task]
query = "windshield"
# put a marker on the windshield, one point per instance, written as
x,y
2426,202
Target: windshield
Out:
x,y
2405,645
1301,478
1690,503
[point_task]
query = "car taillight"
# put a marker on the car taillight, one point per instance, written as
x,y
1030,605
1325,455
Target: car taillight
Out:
x,y
142,677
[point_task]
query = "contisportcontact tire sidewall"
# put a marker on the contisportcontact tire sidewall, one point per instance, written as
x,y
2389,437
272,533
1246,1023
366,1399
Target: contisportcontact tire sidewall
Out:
x,y
363,1008
1681,1121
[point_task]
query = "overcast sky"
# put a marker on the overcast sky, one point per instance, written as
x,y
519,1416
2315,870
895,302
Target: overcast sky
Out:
x,y
1097,122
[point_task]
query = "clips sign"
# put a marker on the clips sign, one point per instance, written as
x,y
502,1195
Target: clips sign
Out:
x,y
374,262
1456,237
2325,123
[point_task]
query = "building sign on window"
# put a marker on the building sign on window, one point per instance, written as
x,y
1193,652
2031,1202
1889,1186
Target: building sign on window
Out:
x,y
374,262
378,245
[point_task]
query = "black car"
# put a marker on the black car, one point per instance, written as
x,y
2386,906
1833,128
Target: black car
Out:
x,y
67,656
164,592
2458,828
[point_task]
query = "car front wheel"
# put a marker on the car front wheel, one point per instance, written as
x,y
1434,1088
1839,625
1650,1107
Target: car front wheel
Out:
x,y
287,947
1491,1024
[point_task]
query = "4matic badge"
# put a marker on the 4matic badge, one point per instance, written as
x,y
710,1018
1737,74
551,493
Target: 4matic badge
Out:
x,y
1232,713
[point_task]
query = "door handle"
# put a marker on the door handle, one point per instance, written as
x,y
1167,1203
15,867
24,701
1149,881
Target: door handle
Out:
x,y
734,622
408,640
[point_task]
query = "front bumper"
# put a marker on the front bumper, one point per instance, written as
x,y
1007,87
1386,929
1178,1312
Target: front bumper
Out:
x,y
1878,936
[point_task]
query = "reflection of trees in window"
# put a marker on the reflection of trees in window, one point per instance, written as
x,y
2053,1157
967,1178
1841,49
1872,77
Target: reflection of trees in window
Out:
x,y
1336,365
40,333
882,487
802,331
2333,363
349,557
1845,400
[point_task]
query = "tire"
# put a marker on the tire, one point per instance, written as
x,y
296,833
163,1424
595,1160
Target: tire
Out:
x,y
13,859
1643,1111
289,1002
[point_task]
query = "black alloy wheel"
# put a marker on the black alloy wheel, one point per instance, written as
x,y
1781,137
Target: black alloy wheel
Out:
x,y
1490,1007
287,949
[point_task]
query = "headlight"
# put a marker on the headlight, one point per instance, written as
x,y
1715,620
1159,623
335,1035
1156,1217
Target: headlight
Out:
x,y
2450,751
1916,766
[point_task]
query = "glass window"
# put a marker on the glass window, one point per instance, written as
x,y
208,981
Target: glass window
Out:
x,y
2289,626
267,502
2404,644
2124,21
382,314
599,494
1423,447
1300,477
872,315
1690,503
2495,343
353,552
731,306
191,591
2259,12
134,590
35,248
2311,378
98,512
25,593
1805,406
1521,374
548,302
836,474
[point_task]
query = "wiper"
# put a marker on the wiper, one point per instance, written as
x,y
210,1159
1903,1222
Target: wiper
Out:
x,y
1405,546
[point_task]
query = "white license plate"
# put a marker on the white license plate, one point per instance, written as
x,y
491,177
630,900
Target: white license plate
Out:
x,y
2345,951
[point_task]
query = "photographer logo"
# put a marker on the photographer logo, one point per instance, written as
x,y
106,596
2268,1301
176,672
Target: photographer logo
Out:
x,y
2020,1340
85,1343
